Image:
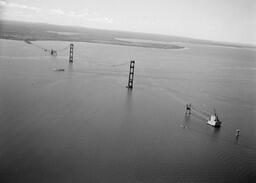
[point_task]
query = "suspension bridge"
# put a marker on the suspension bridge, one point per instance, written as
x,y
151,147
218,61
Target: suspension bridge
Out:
x,y
51,51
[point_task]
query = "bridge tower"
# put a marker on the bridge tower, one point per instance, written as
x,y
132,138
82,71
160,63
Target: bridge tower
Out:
x,y
71,52
131,75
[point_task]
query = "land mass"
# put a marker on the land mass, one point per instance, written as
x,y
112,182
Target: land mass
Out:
x,y
28,31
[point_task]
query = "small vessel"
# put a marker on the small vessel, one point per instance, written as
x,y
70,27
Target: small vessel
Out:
x,y
55,69
214,120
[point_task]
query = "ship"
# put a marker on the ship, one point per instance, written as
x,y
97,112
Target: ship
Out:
x,y
214,121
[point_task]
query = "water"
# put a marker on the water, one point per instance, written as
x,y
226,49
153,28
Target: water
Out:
x,y
83,125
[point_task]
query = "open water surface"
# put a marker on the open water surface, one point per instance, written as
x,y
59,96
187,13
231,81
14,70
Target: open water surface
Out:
x,y
84,125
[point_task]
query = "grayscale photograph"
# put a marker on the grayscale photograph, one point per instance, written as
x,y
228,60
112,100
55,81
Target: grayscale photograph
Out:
x,y
128,91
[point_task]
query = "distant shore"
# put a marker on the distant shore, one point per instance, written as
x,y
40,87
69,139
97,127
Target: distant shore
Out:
x,y
23,31
114,42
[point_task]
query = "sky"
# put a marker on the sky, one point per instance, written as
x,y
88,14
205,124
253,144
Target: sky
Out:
x,y
218,20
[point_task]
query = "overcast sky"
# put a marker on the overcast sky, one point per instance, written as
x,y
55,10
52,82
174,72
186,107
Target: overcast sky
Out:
x,y
222,20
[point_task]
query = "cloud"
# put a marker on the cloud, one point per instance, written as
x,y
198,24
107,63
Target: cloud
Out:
x,y
101,19
3,3
8,5
86,16
77,15
16,11
57,11
71,14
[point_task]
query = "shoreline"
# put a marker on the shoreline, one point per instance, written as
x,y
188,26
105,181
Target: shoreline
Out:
x,y
114,42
